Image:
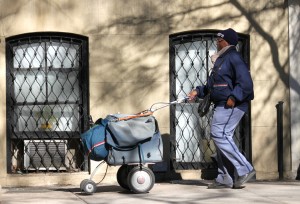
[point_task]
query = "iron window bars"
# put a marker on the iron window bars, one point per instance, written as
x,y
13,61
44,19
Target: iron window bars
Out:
x,y
190,64
47,101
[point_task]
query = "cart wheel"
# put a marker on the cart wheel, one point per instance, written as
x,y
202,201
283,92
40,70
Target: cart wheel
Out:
x,y
122,175
140,179
89,187
82,183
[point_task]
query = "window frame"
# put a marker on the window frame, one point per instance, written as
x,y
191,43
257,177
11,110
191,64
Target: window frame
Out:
x,y
83,80
244,127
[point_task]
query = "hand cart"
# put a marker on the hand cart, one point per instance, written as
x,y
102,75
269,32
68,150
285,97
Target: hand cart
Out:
x,y
132,141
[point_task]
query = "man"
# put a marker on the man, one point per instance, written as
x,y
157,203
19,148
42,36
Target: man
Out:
x,y
231,89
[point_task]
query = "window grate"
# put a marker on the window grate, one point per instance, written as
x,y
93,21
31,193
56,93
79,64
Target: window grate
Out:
x,y
190,65
47,91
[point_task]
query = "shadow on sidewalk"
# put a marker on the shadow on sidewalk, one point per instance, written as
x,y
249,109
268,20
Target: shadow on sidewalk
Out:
x,y
191,182
100,189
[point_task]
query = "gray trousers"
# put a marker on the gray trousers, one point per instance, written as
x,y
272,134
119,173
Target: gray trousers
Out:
x,y
224,123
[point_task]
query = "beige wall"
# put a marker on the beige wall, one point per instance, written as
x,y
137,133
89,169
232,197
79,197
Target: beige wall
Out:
x,y
294,48
129,59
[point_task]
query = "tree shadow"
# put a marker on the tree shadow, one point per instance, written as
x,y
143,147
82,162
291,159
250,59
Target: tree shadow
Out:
x,y
133,65
134,80
151,19
274,45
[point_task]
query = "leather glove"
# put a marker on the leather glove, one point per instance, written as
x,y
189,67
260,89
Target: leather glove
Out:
x,y
230,102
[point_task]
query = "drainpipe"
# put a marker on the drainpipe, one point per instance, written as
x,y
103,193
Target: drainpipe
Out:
x,y
279,108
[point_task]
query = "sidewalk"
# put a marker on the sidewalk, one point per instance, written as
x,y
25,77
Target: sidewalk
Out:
x,y
181,192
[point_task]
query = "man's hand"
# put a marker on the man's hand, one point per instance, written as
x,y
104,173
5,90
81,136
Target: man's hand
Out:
x,y
230,102
192,95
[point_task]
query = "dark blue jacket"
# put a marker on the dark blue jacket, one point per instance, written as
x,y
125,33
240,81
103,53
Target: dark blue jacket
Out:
x,y
230,77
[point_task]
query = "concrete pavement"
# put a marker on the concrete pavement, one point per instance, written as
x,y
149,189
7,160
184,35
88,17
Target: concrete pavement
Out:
x,y
181,191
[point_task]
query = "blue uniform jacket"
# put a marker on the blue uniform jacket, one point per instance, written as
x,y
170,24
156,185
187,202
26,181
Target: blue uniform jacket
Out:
x,y
230,77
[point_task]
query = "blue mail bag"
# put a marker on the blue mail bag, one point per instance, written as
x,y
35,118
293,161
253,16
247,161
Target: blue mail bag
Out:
x,y
94,143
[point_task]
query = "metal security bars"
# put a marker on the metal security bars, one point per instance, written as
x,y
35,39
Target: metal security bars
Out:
x,y
190,65
47,102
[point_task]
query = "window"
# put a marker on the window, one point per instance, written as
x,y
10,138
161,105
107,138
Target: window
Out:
x,y
190,65
47,100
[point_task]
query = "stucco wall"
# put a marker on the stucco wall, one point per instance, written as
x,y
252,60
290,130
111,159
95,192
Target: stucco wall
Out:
x,y
294,50
129,59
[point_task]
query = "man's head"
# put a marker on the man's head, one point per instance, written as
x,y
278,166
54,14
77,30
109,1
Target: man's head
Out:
x,y
229,36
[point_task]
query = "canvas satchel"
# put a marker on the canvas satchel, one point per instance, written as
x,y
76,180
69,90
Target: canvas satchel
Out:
x,y
128,133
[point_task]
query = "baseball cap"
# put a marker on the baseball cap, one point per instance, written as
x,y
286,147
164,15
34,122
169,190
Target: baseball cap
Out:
x,y
229,35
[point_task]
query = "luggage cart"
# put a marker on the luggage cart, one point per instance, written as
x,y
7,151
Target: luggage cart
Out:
x,y
131,141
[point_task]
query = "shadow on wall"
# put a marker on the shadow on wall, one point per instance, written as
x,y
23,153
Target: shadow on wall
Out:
x,y
162,24
149,18
274,45
158,22
152,20
165,23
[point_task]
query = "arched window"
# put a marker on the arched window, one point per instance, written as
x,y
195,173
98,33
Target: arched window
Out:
x,y
47,101
190,65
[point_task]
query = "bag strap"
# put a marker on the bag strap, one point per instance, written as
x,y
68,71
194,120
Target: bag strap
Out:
x,y
144,113
137,115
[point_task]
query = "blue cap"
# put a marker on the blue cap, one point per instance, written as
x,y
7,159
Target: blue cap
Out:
x,y
229,35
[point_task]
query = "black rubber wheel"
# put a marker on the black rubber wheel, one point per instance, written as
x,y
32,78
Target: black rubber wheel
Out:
x,y
122,175
141,179
89,187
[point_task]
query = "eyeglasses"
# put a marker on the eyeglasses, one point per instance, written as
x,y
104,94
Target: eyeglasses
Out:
x,y
220,39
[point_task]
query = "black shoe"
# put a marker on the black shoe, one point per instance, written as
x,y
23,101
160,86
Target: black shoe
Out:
x,y
243,179
217,185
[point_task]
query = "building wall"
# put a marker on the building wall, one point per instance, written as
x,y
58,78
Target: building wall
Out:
x,y
129,60
294,51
